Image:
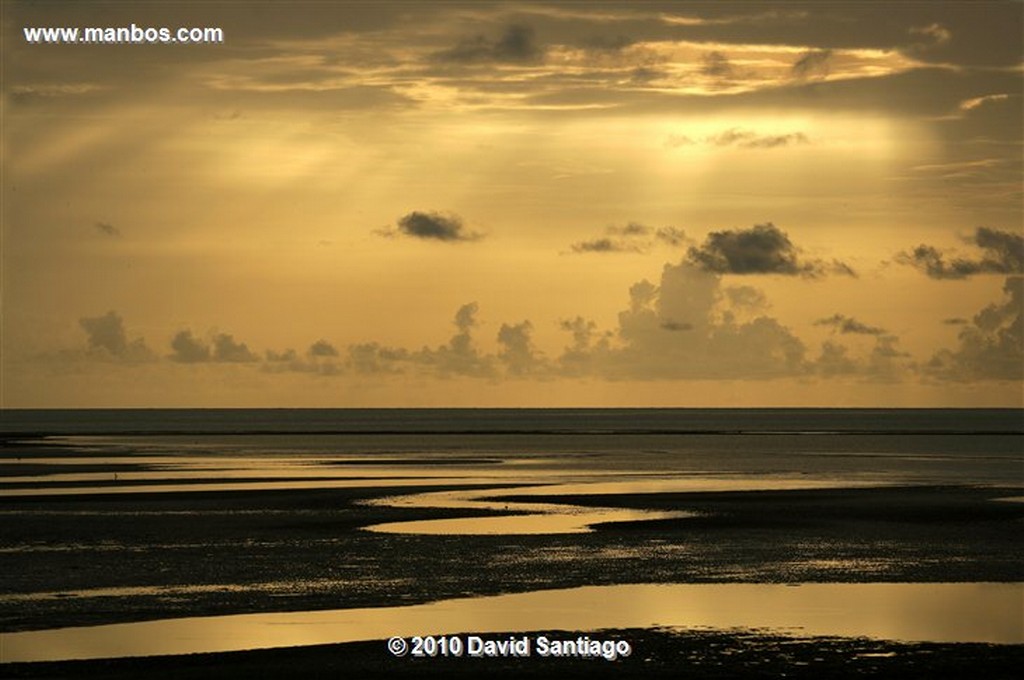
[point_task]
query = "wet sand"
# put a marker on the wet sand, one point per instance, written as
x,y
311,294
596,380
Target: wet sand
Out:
x,y
657,654
106,557
199,553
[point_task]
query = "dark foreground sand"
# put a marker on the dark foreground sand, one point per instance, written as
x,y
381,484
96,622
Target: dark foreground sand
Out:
x,y
205,553
658,654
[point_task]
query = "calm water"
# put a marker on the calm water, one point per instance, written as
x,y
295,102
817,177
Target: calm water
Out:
x,y
912,612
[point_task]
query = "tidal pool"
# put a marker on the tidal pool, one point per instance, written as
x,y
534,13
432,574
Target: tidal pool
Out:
x,y
912,612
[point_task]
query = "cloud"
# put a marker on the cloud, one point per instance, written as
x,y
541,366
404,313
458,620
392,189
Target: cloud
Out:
x,y
746,298
633,237
991,346
190,350
1003,253
762,249
460,356
107,337
322,348
676,141
432,226
320,358
287,355
716,65
605,245
375,359
975,102
107,228
56,89
928,37
834,360
841,323
608,43
675,330
885,362
225,349
670,236
747,139
516,44
812,63
518,353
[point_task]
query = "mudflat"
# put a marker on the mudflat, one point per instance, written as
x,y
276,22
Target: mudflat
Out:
x,y
105,556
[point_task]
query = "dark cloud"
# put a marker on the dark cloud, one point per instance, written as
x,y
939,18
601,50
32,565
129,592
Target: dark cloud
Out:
x,y
188,349
460,356
885,363
107,228
516,44
319,359
834,360
432,226
465,317
375,359
105,332
605,245
763,249
1003,253
286,356
191,350
226,349
841,323
518,353
716,65
812,63
747,139
676,326
582,331
633,237
322,348
670,236
631,229
107,336
991,346
955,322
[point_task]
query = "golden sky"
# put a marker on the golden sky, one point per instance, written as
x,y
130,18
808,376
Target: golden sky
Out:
x,y
515,204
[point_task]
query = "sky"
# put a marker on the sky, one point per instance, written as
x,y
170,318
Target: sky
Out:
x,y
413,204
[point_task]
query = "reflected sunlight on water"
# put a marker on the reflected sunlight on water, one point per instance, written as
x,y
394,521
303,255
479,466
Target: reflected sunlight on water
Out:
x,y
915,612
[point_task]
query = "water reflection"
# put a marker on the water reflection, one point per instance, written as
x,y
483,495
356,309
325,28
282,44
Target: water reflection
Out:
x,y
565,518
917,612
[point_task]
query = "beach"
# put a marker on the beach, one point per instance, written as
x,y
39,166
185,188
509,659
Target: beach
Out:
x,y
193,527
